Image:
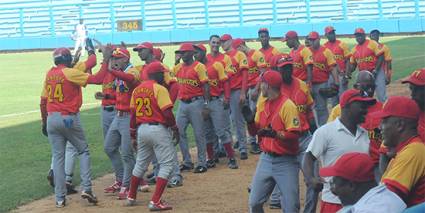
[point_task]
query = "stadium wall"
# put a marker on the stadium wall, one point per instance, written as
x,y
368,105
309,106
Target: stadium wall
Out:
x,y
38,24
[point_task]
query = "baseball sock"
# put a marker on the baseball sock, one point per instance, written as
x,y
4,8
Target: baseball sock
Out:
x,y
229,150
161,183
210,151
134,184
143,182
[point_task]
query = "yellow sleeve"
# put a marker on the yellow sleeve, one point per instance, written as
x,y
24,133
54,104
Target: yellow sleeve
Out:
x,y
175,70
243,62
260,108
352,59
162,96
80,66
76,76
259,58
135,72
387,53
307,56
404,171
289,115
218,66
330,59
345,49
374,46
228,64
336,112
201,70
275,51
306,90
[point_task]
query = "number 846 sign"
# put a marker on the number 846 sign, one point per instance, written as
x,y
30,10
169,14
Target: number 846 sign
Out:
x,y
129,25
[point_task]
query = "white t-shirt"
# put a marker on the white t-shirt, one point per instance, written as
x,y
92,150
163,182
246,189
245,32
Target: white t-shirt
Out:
x,y
80,30
330,142
377,200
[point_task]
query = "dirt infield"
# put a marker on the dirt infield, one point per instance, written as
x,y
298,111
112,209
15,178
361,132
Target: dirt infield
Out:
x,y
219,190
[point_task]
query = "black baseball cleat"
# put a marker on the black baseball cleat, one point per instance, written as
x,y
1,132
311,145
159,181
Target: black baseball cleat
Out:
x,y
255,149
51,178
275,206
200,169
89,196
236,145
184,167
61,203
232,164
244,156
210,164
70,189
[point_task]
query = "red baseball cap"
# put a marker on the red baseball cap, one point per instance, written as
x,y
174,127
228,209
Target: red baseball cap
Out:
x,y
290,34
352,95
120,52
329,29
265,30
398,106
272,78
237,42
62,51
417,78
225,37
201,47
157,53
355,166
144,45
155,67
185,47
313,35
359,31
281,60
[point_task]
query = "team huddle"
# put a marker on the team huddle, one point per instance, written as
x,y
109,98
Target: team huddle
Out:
x,y
366,153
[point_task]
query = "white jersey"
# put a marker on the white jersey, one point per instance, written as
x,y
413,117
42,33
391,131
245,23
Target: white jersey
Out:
x,y
80,31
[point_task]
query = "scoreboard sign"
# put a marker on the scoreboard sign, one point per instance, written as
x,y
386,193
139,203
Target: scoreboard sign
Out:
x,y
129,25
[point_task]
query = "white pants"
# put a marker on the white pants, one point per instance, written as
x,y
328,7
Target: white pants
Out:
x,y
80,42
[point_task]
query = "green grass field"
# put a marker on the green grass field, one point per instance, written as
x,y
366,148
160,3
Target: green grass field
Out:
x,y
25,153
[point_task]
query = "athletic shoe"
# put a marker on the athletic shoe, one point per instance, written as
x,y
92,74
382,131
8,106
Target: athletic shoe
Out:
x,y
175,181
150,175
275,206
244,156
184,167
122,195
210,164
61,203
217,160
232,164
236,145
51,178
255,149
113,188
144,188
130,202
160,206
91,198
70,189
222,154
200,169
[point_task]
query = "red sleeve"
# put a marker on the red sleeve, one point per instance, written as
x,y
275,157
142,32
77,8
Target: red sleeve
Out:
x,y
169,117
173,90
252,129
244,79
226,87
98,77
91,61
133,124
129,78
43,109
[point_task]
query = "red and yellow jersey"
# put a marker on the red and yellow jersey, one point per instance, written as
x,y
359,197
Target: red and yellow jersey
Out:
x,y
299,93
269,53
365,55
405,174
239,64
223,58
167,75
340,51
124,90
216,77
421,125
387,58
62,88
149,100
190,79
282,115
108,88
256,61
323,61
371,124
302,57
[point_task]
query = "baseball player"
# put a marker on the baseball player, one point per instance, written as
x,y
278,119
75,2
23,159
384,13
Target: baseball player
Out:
x,y
146,53
299,93
238,78
327,147
324,65
302,57
71,152
80,35
277,125
342,58
268,50
117,141
386,65
256,66
215,126
405,174
60,103
194,95
153,123
416,82
367,55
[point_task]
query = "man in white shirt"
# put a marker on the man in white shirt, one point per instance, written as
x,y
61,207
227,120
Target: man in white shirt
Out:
x,y
354,183
336,138
80,35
